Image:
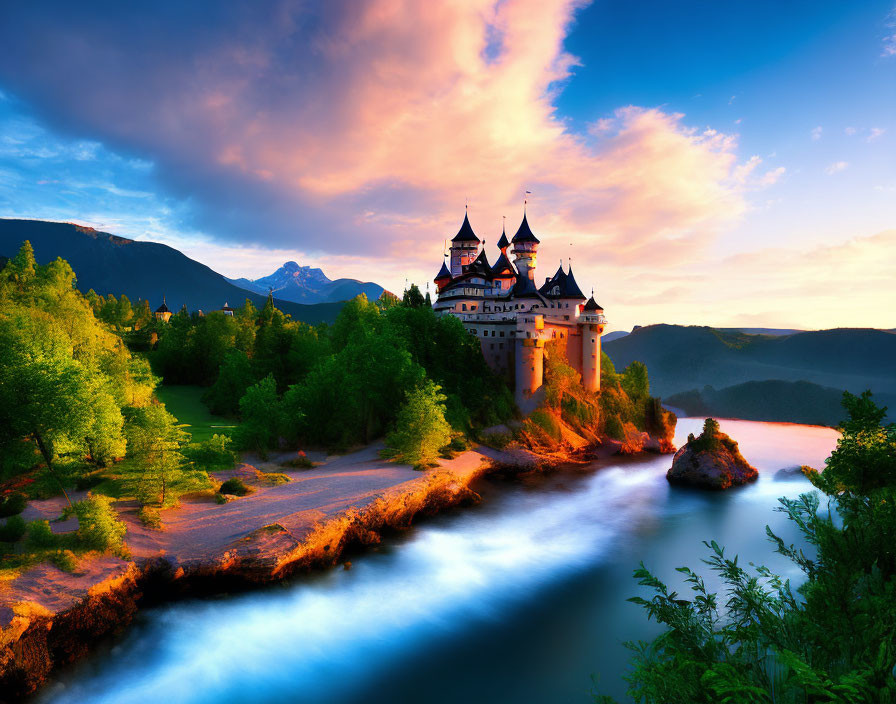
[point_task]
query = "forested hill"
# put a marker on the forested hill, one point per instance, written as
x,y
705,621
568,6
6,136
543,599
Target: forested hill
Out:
x,y
110,264
684,358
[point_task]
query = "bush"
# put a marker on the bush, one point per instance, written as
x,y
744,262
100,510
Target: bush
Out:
x,y
99,527
215,452
12,530
546,421
497,440
40,535
151,517
12,505
65,560
234,486
613,428
220,498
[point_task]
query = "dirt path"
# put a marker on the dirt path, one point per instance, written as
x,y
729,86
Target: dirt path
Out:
x,y
202,529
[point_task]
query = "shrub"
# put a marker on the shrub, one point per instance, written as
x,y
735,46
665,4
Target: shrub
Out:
x,y
234,486
99,527
272,478
151,517
546,421
12,530
215,452
65,560
300,461
220,498
40,535
497,440
613,428
12,505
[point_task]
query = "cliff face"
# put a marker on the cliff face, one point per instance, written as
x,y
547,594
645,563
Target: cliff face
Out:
x,y
711,461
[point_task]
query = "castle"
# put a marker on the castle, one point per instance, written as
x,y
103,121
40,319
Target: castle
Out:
x,y
512,317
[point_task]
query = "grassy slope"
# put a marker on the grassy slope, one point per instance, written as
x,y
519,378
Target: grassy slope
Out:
x,y
185,403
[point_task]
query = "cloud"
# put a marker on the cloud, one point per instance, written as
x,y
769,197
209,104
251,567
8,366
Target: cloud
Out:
x,y
875,133
889,40
849,131
814,287
835,167
358,130
816,133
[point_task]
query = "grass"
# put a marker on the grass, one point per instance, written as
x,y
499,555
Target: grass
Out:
x,y
185,403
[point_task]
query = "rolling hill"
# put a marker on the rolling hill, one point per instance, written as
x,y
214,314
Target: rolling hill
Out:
x,y
773,400
682,358
111,264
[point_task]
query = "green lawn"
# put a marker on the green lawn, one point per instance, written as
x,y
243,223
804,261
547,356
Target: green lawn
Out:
x,y
185,403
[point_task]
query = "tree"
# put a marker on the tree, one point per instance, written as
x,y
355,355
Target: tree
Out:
x,y
412,297
259,412
154,442
420,428
832,641
635,382
235,377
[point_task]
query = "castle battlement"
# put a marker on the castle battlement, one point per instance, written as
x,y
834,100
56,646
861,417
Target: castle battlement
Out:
x,y
512,317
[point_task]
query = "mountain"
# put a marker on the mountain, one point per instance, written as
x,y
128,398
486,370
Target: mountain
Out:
x,y
773,400
304,284
682,358
110,264
616,334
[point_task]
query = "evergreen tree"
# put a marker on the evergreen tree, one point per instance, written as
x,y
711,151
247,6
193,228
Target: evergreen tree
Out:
x,y
420,427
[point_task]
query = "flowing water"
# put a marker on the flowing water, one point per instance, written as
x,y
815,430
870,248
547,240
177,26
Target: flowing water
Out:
x,y
521,599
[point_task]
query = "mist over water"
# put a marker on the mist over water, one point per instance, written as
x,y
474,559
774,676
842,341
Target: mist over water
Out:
x,y
521,599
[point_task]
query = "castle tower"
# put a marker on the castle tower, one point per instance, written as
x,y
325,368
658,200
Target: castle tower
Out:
x,y
529,363
464,248
525,248
592,325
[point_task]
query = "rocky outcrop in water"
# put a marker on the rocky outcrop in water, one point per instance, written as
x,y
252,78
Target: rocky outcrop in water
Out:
x,y
711,461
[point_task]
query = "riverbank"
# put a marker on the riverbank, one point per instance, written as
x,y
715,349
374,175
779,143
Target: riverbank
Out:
x,y
49,618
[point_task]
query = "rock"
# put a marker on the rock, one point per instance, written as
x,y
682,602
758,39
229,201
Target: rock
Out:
x,y
711,461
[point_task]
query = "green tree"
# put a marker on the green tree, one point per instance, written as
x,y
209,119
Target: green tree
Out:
x,y
412,297
158,470
259,412
635,382
235,377
420,427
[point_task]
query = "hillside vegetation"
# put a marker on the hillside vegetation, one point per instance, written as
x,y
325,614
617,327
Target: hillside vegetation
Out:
x,y
109,264
773,400
685,358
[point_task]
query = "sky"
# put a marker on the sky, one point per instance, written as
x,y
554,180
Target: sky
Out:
x,y
728,164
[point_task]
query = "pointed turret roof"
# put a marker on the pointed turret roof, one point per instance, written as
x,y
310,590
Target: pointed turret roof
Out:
x,y
592,305
465,233
503,264
443,273
572,288
164,307
524,233
558,280
479,266
503,243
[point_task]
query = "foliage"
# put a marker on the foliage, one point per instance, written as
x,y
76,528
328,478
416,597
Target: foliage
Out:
x,y
158,472
635,381
234,486
413,298
234,378
832,639
12,530
12,504
420,427
214,453
99,527
259,409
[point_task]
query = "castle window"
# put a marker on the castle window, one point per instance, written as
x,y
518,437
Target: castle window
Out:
x,y
464,306
502,333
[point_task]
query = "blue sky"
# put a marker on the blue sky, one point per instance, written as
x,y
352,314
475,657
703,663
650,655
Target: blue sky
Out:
x,y
668,142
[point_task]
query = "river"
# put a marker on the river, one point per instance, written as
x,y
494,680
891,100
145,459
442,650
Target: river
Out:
x,y
520,599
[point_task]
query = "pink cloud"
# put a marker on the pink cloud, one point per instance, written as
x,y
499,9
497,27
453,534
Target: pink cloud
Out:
x,y
364,128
